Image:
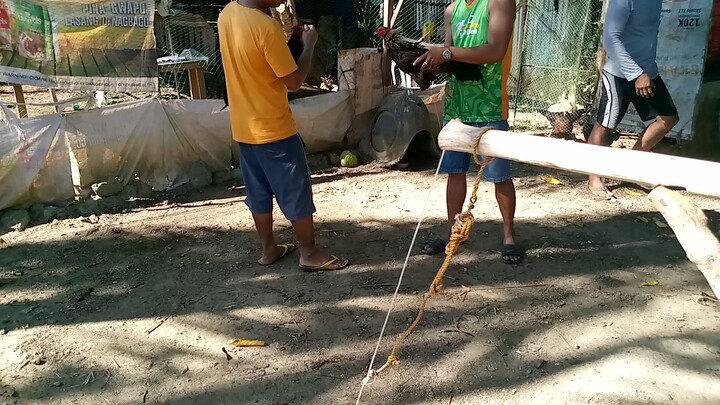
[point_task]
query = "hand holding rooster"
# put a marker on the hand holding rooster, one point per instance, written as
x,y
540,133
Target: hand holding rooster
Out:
x,y
430,59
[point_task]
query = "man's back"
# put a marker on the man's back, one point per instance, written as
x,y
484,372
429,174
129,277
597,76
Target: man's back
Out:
x,y
255,56
630,37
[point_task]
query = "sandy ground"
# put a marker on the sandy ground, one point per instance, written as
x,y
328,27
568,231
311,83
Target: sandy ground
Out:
x,y
138,307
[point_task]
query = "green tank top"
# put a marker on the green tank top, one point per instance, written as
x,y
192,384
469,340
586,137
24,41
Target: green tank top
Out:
x,y
469,101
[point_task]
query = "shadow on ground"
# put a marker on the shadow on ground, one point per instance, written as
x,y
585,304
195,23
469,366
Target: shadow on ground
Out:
x,y
325,325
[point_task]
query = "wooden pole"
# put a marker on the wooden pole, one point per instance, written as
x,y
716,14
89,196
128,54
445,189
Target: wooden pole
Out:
x,y
395,14
387,16
20,100
696,176
53,97
691,228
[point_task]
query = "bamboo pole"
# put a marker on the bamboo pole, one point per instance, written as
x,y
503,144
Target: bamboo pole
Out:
x,y
654,169
691,228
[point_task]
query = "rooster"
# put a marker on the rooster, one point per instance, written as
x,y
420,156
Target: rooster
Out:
x,y
404,52
296,49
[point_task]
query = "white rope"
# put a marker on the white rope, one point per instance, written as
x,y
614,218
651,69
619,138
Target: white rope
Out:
x,y
368,377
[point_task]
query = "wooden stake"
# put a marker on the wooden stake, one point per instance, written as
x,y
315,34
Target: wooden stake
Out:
x,y
690,226
646,168
20,100
387,16
54,98
396,13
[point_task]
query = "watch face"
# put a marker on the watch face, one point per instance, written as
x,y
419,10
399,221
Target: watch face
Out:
x,y
446,54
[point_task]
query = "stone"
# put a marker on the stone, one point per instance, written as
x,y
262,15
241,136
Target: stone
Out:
x,y
238,177
144,190
107,188
84,193
50,212
130,191
200,175
88,207
37,213
222,177
318,161
17,220
111,203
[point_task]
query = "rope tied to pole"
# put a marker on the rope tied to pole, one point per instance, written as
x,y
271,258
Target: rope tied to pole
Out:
x,y
460,233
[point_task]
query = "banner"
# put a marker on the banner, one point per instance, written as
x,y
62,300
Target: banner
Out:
x,y
79,45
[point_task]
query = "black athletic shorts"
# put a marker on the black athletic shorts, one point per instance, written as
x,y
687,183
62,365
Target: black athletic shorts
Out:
x,y
618,93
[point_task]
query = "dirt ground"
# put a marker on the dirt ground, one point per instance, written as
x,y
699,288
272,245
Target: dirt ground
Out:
x,y
136,306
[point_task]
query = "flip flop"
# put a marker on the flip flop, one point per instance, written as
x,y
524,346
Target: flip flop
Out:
x,y
511,254
601,195
333,264
289,248
433,246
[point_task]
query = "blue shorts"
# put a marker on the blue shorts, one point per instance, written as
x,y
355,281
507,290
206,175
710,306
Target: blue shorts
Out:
x,y
497,171
277,169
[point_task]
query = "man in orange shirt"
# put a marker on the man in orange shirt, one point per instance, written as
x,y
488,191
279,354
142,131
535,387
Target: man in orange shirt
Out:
x,y
259,71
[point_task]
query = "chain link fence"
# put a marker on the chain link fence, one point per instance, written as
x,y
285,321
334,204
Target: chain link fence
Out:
x,y
558,59
424,19
187,38
554,49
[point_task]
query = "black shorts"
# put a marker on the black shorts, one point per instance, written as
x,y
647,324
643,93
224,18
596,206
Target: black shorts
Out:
x,y
618,93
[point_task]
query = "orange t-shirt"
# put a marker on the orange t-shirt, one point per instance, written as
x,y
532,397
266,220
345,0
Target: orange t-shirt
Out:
x,y
255,56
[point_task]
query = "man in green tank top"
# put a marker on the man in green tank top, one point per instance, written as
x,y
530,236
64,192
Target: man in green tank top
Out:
x,y
478,32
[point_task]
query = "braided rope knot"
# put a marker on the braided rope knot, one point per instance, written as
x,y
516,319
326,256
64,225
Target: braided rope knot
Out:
x,y
459,233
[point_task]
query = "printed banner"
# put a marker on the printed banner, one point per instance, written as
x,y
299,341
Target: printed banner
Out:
x,y
682,46
79,45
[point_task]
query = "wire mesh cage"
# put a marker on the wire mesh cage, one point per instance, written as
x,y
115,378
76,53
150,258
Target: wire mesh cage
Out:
x,y
187,39
558,58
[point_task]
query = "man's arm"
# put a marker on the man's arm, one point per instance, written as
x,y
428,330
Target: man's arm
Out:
x,y
616,19
278,56
448,24
500,29
294,80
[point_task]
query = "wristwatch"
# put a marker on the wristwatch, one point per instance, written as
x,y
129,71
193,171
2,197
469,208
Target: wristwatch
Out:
x,y
447,55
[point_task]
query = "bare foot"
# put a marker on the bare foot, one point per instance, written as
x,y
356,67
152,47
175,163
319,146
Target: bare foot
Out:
x,y
275,253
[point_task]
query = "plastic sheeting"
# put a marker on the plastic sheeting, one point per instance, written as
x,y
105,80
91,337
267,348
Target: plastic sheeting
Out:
x,y
154,140
34,160
323,121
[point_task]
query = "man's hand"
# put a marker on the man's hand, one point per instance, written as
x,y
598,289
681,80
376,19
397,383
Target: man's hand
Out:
x,y
644,86
309,36
431,59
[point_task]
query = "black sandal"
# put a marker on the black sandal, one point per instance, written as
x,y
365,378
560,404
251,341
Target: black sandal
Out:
x,y
433,246
510,253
